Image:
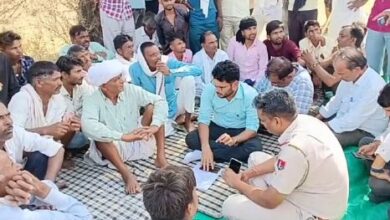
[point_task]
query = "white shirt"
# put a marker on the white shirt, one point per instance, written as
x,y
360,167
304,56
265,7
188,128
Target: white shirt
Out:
x,y
310,5
356,105
311,169
24,141
23,109
320,52
67,208
126,65
74,103
202,60
141,37
235,8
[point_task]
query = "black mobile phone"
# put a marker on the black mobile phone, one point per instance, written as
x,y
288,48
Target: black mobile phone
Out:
x,y
235,165
215,170
364,157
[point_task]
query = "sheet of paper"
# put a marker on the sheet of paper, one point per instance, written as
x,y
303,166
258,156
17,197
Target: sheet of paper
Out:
x,y
204,179
192,156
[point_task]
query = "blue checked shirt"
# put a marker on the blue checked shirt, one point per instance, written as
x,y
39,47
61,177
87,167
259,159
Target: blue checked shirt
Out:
x,y
301,88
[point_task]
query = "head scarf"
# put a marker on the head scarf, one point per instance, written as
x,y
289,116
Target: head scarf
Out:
x,y
160,81
245,23
103,72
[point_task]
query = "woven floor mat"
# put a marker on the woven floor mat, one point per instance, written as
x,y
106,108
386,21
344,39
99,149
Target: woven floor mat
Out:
x,y
102,189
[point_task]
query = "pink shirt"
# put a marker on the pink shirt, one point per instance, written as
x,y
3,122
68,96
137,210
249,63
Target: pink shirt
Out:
x,y
187,57
252,61
378,7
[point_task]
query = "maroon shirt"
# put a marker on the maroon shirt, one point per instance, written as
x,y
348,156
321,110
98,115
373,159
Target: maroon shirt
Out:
x,y
289,50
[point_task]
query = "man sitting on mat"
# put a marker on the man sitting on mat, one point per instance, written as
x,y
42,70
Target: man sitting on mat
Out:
x,y
227,120
111,119
307,180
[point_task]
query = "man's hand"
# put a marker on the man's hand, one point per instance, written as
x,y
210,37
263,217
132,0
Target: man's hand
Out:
x,y
356,4
227,140
163,68
309,58
207,158
369,149
18,194
57,130
150,131
231,178
246,175
385,13
75,123
220,23
23,186
135,135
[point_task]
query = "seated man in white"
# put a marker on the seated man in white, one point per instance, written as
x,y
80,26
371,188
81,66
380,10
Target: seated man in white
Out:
x,y
79,36
207,58
111,119
74,90
44,156
308,179
39,107
157,74
355,104
295,79
22,188
124,47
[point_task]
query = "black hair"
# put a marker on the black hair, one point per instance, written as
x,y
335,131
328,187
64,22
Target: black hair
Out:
x,y
310,23
226,71
121,39
76,30
7,38
384,97
273,25
145,45
66,63
41,68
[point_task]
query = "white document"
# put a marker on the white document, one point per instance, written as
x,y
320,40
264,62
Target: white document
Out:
x,y
204,179
192,156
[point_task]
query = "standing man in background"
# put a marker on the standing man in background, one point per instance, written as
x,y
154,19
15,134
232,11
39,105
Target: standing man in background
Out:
x,y
116,18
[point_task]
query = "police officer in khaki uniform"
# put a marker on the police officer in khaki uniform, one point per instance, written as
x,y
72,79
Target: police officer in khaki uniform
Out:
x,y
308,179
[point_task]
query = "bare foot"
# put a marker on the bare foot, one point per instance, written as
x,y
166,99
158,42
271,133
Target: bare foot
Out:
x,y
161,162
68,164
131,184
385,175
61,184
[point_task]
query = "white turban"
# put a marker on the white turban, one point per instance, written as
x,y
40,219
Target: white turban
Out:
x,y
103,72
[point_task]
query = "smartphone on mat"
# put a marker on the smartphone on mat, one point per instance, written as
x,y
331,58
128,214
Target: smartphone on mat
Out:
x,y
215,170
235,165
